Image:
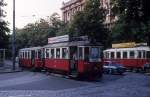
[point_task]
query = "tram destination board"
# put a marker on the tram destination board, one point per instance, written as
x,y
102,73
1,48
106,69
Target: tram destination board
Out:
x,y
66,38
57,39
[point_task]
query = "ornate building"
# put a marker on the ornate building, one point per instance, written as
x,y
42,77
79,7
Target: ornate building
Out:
x,y
71,7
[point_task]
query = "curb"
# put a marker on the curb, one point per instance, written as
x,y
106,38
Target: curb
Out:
x,y
10,71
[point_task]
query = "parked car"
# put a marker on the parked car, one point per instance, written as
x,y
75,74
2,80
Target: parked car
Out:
x,y
146,67
113,68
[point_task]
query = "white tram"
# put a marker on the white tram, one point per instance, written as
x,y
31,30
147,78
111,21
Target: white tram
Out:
x,y
132,57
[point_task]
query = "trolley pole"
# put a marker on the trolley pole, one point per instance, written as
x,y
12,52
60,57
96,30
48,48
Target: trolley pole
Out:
x,y
13,36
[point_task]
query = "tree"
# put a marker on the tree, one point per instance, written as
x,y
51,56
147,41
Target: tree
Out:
x,y
58,26
133,20
3,27
90,22
37,34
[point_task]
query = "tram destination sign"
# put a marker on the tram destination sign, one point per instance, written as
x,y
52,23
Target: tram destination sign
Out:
x,y
58,39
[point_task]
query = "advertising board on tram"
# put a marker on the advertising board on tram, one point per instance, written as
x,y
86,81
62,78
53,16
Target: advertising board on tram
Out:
x,y
57,39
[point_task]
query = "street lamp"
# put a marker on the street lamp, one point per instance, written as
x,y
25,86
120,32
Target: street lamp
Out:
x,y
13,36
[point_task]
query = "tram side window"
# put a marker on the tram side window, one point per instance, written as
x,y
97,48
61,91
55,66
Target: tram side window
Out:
x,y
47,53
52,53
28,55
39,54
139,54
58,53
22,55
86,53
104,54
124,54
107,55
25,55
36,54
118,55
144,54
112,54
132,54
64,53
148,54
80,53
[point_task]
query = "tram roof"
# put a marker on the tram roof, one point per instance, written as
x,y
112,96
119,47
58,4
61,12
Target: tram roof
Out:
x,y
31,48
72,43
146,48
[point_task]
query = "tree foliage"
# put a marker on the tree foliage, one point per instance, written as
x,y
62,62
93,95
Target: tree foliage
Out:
x,y
3,27
37,34
90,22
133,23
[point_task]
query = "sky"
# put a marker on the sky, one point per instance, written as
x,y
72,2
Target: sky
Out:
x,y
29,11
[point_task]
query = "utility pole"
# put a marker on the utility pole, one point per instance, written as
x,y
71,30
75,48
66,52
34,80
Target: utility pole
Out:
x,y
13,36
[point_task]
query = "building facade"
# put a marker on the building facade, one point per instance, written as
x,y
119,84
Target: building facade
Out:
x,y
71,7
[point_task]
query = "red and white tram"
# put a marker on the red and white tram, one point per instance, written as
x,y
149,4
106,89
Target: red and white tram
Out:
x,y
75,58
31,57
132,57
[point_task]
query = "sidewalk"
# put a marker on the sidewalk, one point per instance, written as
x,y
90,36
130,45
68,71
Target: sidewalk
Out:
x,y
8,67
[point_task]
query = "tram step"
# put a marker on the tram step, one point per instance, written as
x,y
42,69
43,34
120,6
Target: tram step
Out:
x,y
73,74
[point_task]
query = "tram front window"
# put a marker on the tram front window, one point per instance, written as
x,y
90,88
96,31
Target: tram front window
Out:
x,y
95,54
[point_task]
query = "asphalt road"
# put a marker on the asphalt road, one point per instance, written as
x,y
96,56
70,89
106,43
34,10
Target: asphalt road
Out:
x,y
36,81
30,84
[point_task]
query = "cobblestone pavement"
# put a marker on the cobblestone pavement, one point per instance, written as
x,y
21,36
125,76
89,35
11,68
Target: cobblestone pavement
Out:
x,y
130,85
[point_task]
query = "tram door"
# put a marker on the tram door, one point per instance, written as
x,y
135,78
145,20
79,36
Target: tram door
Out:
x,y
73,60
148,56
32,57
